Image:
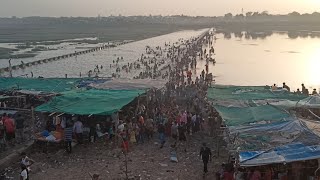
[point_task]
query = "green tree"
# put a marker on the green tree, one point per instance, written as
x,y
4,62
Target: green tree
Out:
x,y
248,14
228,15
294,13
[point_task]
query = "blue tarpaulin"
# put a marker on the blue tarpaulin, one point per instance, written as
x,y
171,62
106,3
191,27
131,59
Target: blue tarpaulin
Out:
x,y
282,154
266,136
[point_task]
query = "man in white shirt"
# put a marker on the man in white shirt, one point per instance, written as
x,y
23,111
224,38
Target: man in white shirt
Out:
x,y
78,129
24,175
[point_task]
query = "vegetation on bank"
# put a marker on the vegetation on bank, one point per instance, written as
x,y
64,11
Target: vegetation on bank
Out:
x,y
51,33
40,29
7,53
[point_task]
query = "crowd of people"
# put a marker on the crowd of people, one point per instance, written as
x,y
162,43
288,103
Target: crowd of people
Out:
x,y
11,131
303,91
174,113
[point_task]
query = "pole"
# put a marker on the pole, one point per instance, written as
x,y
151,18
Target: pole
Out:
x,y
126,164
10,68
218,146
32,119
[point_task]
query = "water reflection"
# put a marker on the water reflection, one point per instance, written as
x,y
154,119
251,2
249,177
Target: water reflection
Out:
x,y
264,34
252,58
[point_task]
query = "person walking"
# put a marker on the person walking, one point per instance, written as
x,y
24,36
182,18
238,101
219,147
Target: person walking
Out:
x,y
205,154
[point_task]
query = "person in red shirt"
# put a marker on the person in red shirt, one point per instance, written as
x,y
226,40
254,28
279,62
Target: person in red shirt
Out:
x,y
10,129
228,174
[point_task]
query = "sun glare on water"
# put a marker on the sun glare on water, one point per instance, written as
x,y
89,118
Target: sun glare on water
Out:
x,y
313,68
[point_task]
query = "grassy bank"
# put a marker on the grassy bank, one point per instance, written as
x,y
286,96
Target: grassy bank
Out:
x,y
57,32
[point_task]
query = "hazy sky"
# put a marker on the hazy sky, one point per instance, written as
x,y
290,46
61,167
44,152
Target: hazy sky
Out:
x,y
22,8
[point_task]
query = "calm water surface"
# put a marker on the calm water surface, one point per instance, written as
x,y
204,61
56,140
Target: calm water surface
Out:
x,y
275,59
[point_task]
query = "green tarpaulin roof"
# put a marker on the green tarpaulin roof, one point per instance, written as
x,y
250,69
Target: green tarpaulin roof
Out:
x,y
249,93
237,104
48,85
99,102
235,116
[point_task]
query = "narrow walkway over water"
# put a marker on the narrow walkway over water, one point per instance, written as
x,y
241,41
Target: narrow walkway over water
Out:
x,y
47,60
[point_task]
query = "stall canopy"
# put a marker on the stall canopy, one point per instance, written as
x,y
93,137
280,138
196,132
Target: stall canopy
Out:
x,y
249,93
130,84
266,136
98,102
309,102
282,154
48,85
12,112
235,116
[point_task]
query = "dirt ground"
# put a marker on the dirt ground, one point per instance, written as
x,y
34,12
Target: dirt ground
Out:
x,y
145,161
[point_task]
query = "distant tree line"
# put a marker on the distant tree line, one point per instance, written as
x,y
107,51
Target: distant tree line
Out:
x,y
36,28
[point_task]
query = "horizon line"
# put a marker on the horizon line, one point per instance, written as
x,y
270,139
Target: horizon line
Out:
x,y
151,15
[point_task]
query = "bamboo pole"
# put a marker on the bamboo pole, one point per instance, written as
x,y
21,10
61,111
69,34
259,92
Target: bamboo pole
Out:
x,y
32,119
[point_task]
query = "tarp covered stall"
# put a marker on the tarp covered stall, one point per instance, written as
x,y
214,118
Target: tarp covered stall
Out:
x,y
266,136
130,84
97,102
48,85
249,93
12,112
282,154
235,116
85,83
309,102
6,97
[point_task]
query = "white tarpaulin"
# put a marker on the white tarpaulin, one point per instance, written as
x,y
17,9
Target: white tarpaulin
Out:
x,y
130,84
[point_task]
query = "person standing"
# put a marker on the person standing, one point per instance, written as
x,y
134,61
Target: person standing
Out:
x,y
205,154
93,132
24,174
182,130
174,133
2,136
20,128
68,137
207,68
161,131
78,130
25,160
10,129
286,87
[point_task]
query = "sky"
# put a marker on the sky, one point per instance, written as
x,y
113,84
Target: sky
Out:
x,y
57,8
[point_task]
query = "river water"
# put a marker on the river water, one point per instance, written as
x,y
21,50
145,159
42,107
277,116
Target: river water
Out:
x,y
266,61
83,63
241,60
